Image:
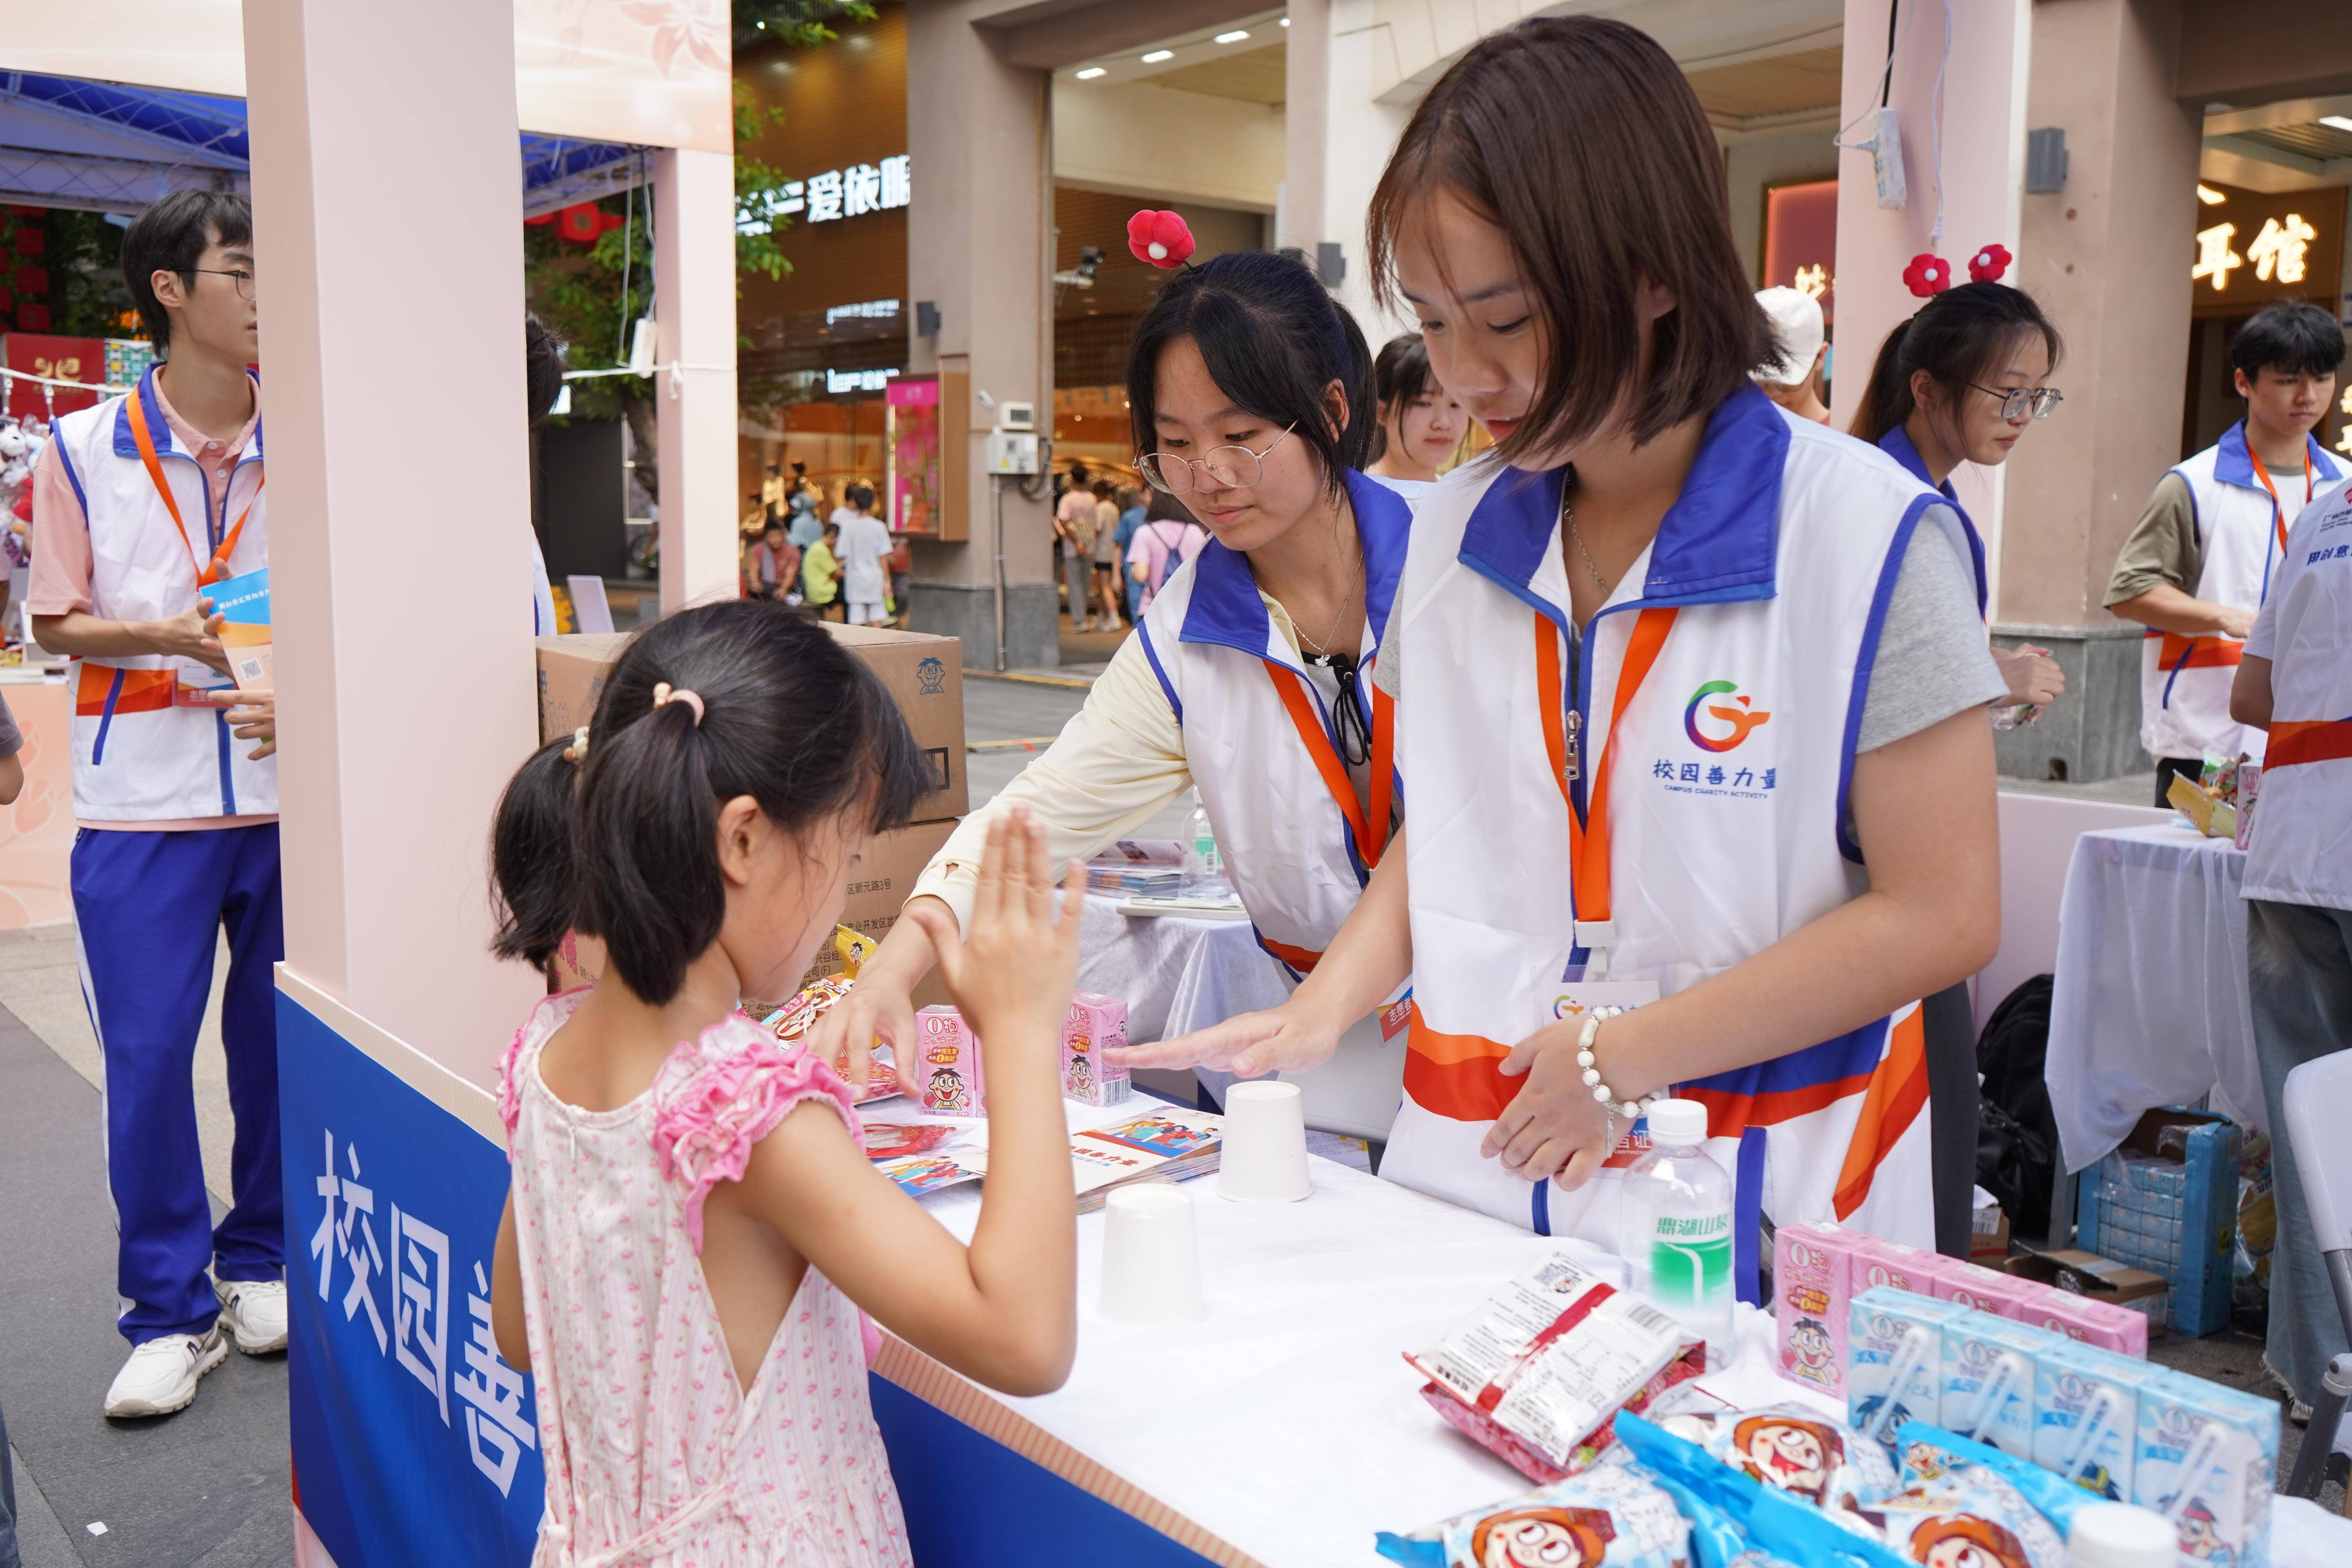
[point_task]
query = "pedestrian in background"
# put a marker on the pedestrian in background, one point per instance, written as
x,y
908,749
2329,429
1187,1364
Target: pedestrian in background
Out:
x,y
1073,526
1130,517
821,573
864,549
1105,577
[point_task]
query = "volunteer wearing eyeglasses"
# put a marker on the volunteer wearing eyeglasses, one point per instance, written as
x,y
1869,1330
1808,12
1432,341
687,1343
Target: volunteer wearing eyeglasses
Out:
x,y
1251,393
1963,381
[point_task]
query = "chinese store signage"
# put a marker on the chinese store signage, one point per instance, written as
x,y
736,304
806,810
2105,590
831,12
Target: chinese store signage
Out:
x,y
2252,248
840,194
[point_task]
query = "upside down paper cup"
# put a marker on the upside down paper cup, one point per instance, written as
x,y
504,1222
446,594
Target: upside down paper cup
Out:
x,y
1151,1257
1264,1156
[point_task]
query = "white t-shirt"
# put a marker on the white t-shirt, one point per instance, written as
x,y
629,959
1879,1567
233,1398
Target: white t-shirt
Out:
x,y
864,547
2300,847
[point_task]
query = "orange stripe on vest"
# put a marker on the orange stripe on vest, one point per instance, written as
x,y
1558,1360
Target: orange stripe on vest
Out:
x,y
1898,1092
143,691
2299,740
2204,653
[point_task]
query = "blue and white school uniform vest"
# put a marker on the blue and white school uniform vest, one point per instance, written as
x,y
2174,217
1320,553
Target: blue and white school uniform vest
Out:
x,y
2301,851
1259,741
136,756
2184,681
1726,807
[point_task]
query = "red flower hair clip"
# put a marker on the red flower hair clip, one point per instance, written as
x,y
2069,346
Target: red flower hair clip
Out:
x,y
1162,239
1988,265
1928,274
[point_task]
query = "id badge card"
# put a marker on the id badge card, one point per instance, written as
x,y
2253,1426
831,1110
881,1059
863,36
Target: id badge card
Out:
x,y
1573,1000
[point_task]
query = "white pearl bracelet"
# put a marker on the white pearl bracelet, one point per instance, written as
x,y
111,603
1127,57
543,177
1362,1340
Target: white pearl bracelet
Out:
x,y
1630,1109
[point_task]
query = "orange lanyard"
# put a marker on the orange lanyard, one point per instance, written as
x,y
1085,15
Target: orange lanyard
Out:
x,y
1588,838
2278,512
1372,833
206,574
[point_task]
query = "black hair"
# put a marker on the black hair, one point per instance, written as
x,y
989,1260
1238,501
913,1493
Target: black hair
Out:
x,y
171,236
1955,337
543,361
2293,337
623,844
1274,341
1400,374
861,497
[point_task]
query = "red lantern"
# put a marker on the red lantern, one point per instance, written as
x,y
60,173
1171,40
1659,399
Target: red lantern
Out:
x,y
30,241
578,223
7,300
32,317
32,280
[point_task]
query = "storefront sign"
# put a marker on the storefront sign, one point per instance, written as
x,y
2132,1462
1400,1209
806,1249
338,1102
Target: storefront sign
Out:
x,y
837,193
2253,247
870,310
836,380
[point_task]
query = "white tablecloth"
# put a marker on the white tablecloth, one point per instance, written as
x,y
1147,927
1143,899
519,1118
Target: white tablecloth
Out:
x,y
1175,975
1287,1425
2148,1007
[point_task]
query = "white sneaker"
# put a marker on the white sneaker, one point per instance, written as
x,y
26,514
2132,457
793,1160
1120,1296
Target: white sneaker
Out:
x,y
254,1312
161,1376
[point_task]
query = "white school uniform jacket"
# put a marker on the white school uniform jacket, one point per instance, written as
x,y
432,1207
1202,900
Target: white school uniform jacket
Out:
x,y
2184,681
2300,850
1726,807
137,757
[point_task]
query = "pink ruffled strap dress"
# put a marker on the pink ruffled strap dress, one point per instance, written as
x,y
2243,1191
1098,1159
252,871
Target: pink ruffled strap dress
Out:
x,y
655,1458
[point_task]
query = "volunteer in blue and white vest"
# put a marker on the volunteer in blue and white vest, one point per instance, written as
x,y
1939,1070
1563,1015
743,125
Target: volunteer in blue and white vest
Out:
x,y
1689,694
2198,566
142,505
1962,382
1250,389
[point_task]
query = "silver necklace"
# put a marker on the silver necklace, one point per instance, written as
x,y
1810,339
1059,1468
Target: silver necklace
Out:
x,y
1568,516
1323,648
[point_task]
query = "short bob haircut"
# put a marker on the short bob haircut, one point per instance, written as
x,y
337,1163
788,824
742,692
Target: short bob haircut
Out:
x,y
2293,337
1274,341
1580,139
171,236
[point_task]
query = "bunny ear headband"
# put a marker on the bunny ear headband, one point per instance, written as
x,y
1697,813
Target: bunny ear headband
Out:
x,y
1161,238
1929,274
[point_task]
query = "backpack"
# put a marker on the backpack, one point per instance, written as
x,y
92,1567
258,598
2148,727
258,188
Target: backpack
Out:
x,y
2017,1135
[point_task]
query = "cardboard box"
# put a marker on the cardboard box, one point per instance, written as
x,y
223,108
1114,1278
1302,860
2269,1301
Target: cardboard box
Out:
x,y
924,673
2167,1201
2088,1275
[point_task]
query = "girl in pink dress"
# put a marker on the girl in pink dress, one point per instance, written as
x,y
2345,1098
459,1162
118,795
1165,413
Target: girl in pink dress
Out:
x,y
693,1226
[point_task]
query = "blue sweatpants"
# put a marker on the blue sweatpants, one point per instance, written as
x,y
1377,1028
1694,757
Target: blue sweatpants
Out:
x,y
150,906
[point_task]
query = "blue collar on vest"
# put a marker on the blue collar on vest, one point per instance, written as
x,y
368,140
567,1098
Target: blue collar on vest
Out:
x,y
1718,542
1227,610
167,440
2234,465
1897,444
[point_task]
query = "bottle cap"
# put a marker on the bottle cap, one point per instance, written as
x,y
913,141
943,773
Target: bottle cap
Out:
x,y
2119,1535
1677,1121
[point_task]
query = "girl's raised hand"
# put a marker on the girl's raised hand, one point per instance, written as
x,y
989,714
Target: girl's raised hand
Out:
x,y
1014,969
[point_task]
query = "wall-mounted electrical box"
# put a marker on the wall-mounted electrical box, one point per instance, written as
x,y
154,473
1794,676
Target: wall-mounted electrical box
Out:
x,y
1012,452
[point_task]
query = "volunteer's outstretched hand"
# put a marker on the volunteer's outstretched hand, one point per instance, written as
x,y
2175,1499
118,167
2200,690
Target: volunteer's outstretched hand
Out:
x,y
1289,1038
1553,1127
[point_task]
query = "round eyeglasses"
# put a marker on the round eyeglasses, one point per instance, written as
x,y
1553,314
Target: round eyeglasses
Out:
x,y
244,280
2015,404
1233,467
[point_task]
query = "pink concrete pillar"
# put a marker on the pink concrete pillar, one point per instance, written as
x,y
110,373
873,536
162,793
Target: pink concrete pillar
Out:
x,y
400,504
694,325
1963,148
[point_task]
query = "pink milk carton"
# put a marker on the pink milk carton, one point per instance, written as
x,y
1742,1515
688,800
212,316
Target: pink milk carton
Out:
x,y
945,1076
1986,1289
2101,1324
1809,1296
1891,1263
1096,1024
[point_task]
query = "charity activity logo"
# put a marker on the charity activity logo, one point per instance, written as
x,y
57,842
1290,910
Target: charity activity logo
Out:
x,y
1743,719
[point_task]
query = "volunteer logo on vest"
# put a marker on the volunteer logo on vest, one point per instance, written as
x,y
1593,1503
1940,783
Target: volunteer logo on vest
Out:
x,y
1740,719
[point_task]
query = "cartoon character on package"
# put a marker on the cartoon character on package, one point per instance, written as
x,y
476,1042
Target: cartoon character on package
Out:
x,y
945,1093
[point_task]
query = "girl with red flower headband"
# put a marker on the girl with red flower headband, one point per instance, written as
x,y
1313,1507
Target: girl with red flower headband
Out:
x,y
1688,691
1251,394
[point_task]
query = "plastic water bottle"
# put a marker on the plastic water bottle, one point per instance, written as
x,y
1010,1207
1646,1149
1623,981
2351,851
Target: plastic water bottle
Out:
x,y
1204,869
1678,1227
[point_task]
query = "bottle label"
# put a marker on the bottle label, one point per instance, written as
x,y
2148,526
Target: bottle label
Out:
x,y
1690,1261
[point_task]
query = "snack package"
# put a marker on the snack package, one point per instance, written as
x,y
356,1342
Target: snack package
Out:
x,y
1894,1359
2219,777
1930,1453
1985,1289
2086,1416
800,1014
1970,1515
948,1079
1810,1298
1096,1024
2102,1324
1536,1373
2204,1458
1615,1517
1794,1448
1988,1374
1736,1521
2249,790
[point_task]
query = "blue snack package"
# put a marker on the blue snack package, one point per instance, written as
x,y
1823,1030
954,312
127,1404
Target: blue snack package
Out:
x,y
1929,1453
1611,1516
1792,1447
1730,1510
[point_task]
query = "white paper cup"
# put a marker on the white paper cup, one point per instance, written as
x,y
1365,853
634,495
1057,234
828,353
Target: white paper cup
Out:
x,y
1265,1156
1151,1257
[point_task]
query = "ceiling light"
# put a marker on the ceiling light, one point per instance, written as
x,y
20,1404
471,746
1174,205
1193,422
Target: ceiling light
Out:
x,y
1235,36
2209,196
1286,22
1090,73
1156,56
2339,122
